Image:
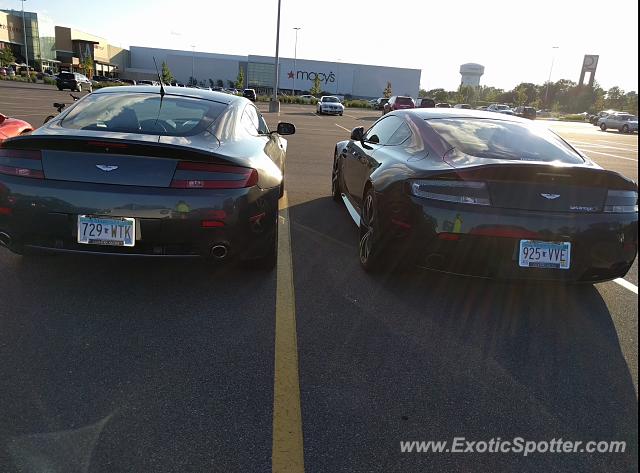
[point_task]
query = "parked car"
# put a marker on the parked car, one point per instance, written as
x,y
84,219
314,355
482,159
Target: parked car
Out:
x,y
10,127
380,102
101,79
500,108
73,81
424,102
329,104
492,198
623,122
526,112
307,98
140,178
250,94
443,105
148,82
398,102
593,119
465,106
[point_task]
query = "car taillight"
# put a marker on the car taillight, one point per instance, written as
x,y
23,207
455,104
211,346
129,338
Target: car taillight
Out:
x,y
463,192
194,175
21,162
619,201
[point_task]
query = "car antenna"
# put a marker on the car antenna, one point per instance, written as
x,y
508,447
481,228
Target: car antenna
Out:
x,y
161,92
159,79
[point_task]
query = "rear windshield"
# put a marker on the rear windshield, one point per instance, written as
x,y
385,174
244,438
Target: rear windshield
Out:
x,y
67,75
404,101
529,109
497,139
141,113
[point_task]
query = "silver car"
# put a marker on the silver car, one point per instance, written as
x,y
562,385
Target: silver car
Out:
x,y
623,122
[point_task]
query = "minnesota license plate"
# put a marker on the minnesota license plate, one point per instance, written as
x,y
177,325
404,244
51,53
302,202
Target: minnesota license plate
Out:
x,y
116,231
545,254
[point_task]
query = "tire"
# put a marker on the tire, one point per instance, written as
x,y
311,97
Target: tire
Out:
x,y
269,261
371,251
336,187
90,89
624,129
79,88
60,89
603,127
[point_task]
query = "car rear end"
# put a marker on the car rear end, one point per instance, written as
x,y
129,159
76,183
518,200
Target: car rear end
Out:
x,y
562,219
132,194
403,103
67,80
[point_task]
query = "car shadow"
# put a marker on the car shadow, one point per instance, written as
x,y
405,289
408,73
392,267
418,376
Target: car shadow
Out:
x,y
552,349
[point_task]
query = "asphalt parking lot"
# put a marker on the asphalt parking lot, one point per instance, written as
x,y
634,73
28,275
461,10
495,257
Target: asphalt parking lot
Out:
x,y
110,365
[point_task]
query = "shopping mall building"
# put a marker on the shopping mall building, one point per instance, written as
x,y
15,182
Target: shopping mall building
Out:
x,y
356,80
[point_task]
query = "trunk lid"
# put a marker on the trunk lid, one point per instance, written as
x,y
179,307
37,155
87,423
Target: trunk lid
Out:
x,y
544,187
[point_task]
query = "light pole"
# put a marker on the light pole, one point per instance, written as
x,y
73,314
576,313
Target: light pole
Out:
x,y
193,61
553,59
274,105
24,31
295,60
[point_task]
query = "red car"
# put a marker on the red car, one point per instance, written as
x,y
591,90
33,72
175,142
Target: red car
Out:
x,y
398,103
10,127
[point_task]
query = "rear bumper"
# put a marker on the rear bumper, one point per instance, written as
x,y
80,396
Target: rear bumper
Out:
x,y
43,216
482,241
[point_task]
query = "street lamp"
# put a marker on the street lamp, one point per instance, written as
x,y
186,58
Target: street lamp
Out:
x,y
24,31
553,58
193,61
274,105
295,60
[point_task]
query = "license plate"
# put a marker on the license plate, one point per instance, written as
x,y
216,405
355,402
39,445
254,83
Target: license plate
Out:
x,y
106,231
545,254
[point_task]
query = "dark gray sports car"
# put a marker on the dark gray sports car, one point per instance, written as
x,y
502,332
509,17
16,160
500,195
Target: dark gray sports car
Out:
x,y
147,171
484,194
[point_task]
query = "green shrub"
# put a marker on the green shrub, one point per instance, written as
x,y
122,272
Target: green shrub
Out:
x,y
49,80
573,118
357,104
101,85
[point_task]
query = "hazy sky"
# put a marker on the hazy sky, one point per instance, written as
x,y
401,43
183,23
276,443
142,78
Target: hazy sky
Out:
x,y
512,39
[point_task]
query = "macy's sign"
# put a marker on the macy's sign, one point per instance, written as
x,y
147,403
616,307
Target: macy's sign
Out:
x,y
304,75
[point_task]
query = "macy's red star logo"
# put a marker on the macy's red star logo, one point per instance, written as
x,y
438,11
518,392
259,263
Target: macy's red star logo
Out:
x,y
290,74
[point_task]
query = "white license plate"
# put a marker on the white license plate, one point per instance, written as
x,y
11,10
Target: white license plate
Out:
x,y
545,254
116,231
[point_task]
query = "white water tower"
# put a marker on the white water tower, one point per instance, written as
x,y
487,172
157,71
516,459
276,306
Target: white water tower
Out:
x,y
471,74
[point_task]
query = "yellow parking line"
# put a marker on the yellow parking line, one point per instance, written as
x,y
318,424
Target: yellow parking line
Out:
x,y
287,453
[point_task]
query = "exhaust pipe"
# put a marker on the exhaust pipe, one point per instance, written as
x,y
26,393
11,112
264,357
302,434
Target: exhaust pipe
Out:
x,y
219,252
5,239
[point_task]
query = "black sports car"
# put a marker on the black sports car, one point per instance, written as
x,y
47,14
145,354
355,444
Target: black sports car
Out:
x,y
484,194
147,171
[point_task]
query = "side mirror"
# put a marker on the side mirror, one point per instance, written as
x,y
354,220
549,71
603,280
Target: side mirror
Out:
x,y
357,134
286,128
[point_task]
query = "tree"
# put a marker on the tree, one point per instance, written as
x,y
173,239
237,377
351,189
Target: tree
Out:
x,y
422,93
219,83
87,67
316,88
165,75
439,95
192,81
388,91
615,98
6,56
240,79
230,84
211,83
